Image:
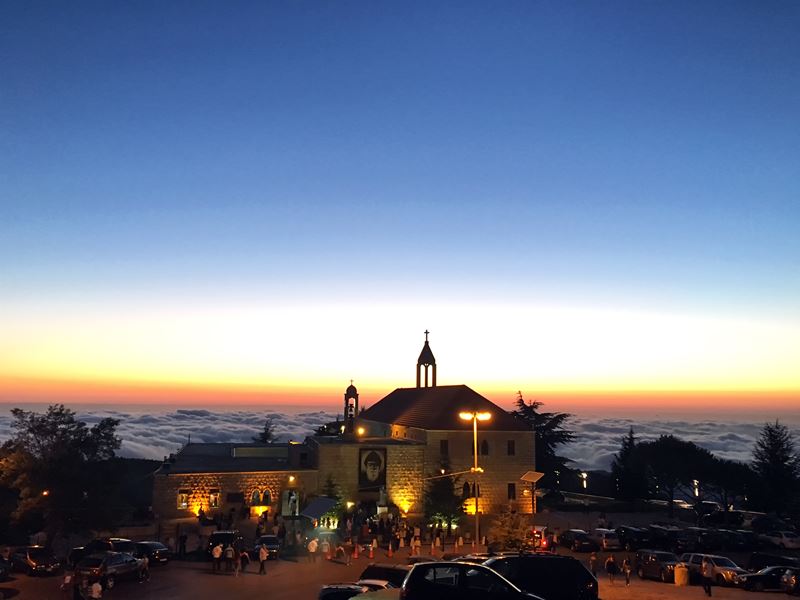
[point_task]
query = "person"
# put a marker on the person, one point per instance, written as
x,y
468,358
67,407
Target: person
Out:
x,y
626,569
182,545
216,554
593,564
707,571
69,587
263,555
237,562
144,570
312,550
611,568
244,559
228,558
325,547
95,590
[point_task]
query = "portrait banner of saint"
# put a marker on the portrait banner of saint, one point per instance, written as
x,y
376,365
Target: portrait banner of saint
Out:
x,y
372,468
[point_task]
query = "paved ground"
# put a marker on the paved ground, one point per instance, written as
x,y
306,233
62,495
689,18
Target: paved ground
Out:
x,y
288,580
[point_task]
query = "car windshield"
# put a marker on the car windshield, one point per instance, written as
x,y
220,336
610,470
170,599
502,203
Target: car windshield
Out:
x,y
155,545
721,561
665,556
39,554
269,539
91,562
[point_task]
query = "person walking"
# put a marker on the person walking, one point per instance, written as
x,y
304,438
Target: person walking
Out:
x,y
312,550
325,548
611,568
216,554
626,569
263,555
237,562
69,587
229,558
707,571
244,560
144,569
593,564
95,591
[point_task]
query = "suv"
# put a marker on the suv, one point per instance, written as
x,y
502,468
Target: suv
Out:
x,y
272,544
108,568
156,552
725,570
34,560
551,576
459,581
394,574
605,538
655,564
111,544
633,538
577,540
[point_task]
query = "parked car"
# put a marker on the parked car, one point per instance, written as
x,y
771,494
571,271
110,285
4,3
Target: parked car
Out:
x,y
341,591
577,540
459,581
731,518
673,539
377,584
633,538
394,574
725,570
785,540
550,576
224,537
156,552
769,578
655,564
5,569
606,539
110,544
272,543
790,581
539,538
759,560
109,567
34,560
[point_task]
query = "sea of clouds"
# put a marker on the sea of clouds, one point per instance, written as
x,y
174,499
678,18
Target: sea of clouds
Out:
x,y
157,433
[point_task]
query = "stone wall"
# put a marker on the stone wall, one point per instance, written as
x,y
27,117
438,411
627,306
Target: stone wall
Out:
x,y
199,485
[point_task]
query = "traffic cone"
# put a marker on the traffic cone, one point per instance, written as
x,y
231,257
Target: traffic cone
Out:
x,y
329,555
402,542
438,541
371,553
433,550
355,550
483,541
460,541
390,550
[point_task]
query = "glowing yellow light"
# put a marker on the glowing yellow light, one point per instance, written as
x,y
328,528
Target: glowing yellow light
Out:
x,y
341,429
442,471
291,478
349,505
46,493
405,506
360,431
481,416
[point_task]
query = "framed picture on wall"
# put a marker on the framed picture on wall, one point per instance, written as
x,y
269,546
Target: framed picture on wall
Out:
x,y
371,468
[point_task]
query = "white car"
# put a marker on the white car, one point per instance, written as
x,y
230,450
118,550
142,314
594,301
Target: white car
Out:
x,y
375,584
607,539
787,540
725,570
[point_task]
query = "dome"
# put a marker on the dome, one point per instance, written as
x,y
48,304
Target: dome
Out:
x,y
351,391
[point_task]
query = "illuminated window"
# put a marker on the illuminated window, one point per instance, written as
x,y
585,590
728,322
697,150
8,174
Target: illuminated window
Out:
x,y
512,491
255,498
183,499
266,498
512,448
213,498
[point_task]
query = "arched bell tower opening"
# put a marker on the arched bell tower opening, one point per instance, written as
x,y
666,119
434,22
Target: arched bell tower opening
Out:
x,y
350,407
427,363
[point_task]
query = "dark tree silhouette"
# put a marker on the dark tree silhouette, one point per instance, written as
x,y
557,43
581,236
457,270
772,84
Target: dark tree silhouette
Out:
x,y
441,502
776,462
551,432
728,482
266,435
628,475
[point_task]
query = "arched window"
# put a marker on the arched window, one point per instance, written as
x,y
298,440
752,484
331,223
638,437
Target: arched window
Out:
x,y
465,492
255,498
485,448
266,498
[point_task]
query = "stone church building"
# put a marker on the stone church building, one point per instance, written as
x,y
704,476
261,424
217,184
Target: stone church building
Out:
x,y
379,457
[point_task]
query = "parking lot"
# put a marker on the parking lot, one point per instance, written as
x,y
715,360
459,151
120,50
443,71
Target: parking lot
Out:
x,y
290,580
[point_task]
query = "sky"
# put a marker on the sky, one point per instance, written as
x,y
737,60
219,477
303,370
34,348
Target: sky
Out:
x,y
597,204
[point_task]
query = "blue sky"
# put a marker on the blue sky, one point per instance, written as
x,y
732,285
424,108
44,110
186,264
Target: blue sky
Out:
x,y
621,154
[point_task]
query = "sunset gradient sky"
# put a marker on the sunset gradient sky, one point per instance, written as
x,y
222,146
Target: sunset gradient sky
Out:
x,y
207,203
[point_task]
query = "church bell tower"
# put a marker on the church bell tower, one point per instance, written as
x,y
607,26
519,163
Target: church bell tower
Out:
x,y
350,407
426,362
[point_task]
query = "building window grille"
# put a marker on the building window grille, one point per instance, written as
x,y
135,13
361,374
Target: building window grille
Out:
x,y
255,498
183,499
214,498
512,491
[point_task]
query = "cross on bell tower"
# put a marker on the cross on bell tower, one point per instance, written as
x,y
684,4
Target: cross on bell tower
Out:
x,y
426,361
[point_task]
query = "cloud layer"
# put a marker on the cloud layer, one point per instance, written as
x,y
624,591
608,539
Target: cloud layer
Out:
x,y
155,434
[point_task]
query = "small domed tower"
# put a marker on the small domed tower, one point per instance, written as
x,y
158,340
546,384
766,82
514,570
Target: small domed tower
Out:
x,y
426,360
350,407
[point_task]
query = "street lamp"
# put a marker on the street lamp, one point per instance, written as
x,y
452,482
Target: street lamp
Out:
x,y
475,416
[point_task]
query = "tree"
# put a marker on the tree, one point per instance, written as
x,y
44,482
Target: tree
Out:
x,y
672,464
508,530
628,475
776,463
550,433
61,470
266,435
727,482
441,501
330,489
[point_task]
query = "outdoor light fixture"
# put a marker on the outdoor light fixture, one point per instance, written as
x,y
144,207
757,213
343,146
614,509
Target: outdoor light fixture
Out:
x,y
360,431
475,416
291,478
584,476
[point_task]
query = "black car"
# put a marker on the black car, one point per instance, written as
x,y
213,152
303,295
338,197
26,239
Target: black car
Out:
x,y
459,581
34,560
547,575
633,538
110,544
577,540
394,574
272,543
759,560
108,568
765,579
156,552
655,564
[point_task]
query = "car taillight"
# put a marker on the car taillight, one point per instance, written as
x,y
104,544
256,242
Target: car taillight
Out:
x,y
544,543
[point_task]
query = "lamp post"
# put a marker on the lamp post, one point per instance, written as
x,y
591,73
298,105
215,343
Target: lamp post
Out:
x,y
475,416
